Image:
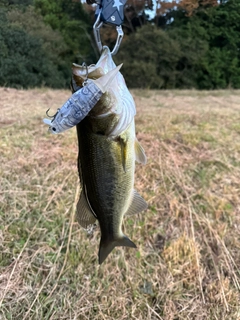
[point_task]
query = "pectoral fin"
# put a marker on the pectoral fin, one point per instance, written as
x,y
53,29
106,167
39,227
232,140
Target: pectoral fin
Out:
x,y
140,153
84,213
138,204
123,152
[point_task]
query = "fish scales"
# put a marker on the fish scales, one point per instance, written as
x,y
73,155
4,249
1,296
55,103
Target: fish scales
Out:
x,y
109,187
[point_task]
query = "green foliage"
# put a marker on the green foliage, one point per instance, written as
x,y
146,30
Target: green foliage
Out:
x,y
32,23
221,68
18,2
27,58
152,63
201,51
160,60
39,43
74,24
39,46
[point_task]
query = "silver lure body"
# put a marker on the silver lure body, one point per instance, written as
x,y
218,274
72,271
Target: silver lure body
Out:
x,y
75,109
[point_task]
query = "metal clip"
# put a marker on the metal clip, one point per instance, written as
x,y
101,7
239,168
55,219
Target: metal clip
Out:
x,y
86,77
96,30
120,35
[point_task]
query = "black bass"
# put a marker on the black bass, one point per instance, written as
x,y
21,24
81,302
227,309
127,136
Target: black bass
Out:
x,y
108,149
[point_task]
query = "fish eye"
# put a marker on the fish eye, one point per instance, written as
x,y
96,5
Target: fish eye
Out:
x,y
54,129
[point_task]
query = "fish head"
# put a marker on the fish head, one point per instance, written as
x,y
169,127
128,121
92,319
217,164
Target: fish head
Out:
x,y
116,108
94,71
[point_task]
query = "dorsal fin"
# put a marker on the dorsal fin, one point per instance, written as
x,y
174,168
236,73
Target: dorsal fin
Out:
x,y
140,153
138,204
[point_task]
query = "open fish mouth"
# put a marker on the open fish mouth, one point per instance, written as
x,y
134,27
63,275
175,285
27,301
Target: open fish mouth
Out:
x,y
121,101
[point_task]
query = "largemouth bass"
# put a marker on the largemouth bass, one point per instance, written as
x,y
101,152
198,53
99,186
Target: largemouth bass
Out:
x,y
108,149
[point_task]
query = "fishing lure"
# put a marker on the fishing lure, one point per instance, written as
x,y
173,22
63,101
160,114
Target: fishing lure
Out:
x,y
77,107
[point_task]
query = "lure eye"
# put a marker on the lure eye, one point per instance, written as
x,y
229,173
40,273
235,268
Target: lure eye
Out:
x,y
54,129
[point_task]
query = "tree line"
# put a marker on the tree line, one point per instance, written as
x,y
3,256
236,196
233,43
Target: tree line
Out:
x,y
185,44
40,39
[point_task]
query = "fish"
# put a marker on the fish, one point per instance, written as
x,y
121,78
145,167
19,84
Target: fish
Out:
x,y
80,103
108,149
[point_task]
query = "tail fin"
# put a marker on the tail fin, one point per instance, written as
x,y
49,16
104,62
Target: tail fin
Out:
x,y
107,246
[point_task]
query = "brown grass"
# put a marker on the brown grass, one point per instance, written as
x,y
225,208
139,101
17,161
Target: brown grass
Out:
x,y
188,257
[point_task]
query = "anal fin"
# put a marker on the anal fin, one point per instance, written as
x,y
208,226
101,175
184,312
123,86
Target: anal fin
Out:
x,y
138,204
140,153
84,214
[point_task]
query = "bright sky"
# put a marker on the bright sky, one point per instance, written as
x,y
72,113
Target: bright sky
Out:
x,y
152,13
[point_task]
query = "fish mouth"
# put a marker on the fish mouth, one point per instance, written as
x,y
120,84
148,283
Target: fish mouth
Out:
x,y
117,100
82,71
105,61
103,66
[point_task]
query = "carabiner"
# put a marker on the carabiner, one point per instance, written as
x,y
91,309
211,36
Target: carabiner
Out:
x,y
96,30
86,77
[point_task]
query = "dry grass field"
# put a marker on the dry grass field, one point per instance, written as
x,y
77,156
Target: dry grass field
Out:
x,y
188,257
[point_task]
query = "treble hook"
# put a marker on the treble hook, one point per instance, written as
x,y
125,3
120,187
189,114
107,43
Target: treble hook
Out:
x,y
86,80
54,116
